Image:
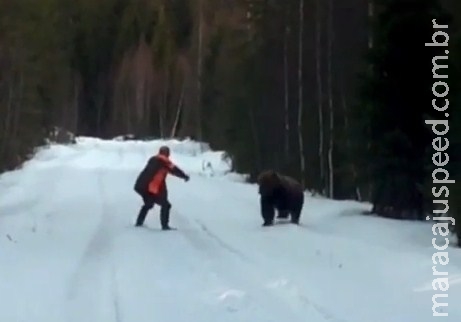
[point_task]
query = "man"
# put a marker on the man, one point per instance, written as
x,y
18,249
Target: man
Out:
x,y
151,186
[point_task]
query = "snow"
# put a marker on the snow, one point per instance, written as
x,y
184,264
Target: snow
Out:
x,y
69,251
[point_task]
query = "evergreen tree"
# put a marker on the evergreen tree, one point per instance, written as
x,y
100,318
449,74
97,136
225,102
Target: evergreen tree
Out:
x,y
396,100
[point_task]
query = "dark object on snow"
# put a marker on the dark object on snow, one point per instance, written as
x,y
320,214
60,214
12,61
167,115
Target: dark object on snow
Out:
x,y
151,186
61,136
282,193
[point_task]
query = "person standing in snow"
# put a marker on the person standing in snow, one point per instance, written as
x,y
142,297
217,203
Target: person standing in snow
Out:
x,y
151,186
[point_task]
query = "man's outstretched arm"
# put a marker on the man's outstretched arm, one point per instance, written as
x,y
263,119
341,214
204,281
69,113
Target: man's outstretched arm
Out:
x,y
176,171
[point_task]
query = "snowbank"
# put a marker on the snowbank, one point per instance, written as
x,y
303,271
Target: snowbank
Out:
x,y
93,153
195,158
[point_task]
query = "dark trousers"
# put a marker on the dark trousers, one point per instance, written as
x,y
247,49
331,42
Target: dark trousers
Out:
x,y
149,202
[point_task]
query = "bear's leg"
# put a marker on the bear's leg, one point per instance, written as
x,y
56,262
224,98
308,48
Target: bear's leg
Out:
x,y
295,217
281,204
296,209
283,214
267,211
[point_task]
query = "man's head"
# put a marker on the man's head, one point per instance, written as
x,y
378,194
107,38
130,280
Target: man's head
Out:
x,y
164,150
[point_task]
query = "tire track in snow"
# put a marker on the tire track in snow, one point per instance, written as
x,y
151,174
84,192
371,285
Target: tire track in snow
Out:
x,y
288,294
94,279
49,208
41,209
247,273
115,297
325,313
220,242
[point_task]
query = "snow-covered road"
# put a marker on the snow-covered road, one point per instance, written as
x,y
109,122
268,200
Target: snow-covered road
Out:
x,y
69,251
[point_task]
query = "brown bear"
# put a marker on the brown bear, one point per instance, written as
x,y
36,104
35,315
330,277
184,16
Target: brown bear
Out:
x,y
279,192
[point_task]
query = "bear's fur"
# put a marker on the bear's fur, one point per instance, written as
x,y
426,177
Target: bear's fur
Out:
x,y
281,193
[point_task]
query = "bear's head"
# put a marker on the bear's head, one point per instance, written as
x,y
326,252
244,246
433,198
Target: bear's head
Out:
x,y
268,182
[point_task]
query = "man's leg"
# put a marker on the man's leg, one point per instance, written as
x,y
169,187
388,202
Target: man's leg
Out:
x,y
148,204
165,207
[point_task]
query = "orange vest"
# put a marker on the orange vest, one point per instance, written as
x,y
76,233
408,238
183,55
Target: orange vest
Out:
x,y
159,178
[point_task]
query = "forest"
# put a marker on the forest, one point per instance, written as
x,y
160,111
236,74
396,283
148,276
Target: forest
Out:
x,y
339,94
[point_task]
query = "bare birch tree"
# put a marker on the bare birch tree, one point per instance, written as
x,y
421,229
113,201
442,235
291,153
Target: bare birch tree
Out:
x,y
318,64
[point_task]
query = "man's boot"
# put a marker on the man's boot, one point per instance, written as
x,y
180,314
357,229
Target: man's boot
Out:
x,y
165,216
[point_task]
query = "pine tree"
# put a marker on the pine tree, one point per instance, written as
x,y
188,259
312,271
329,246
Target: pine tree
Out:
x,y
396,100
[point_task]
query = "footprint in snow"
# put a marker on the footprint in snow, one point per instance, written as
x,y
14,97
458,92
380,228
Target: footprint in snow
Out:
x,y
231,294
278,283
231,299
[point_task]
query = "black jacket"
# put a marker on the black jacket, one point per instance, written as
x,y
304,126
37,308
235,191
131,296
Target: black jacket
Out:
x,y
155,165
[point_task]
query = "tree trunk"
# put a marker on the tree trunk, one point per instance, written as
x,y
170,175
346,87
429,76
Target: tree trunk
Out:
x,y
370,67
300,93
318,51
354,173
254,131
286,89
18,105
174,128
76,96
148,96
161,124
99,97
7,120
164,104
199,71
330,100
370,17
